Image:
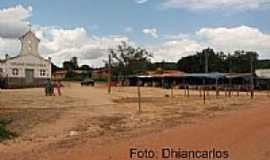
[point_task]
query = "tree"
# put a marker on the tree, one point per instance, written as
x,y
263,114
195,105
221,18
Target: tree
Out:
x,y
54,67
163,65
238,62
127,60
74,61
71,65
263,64
196,63
85,67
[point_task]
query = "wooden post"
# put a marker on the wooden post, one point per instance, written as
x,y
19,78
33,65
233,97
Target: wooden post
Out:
x,y
252,88
242,85
252,77
185,87
110,75
217,89
230,87
207,90
188,90
204,79
200,88
268,88
238,90
247,89
172,90
230,78
139,96
225,89
204,98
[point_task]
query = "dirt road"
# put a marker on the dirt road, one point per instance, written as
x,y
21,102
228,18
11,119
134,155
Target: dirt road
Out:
x,y
246,135
88,124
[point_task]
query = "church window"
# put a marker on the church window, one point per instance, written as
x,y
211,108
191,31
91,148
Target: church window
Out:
x,y
15,71
42,72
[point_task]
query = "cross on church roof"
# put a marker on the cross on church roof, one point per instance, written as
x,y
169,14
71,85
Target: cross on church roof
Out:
x,y
30,26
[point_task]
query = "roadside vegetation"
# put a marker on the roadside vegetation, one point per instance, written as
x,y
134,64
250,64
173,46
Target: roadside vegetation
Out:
x,y
4,132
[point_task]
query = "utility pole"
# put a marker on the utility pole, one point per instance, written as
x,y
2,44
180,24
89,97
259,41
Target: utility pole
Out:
x,y
268,88
172,85
217,88
110,74
230,79
206,71
206,61
139,95
252,76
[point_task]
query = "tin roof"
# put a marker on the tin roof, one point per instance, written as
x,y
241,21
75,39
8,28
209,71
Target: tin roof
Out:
x,y
214,75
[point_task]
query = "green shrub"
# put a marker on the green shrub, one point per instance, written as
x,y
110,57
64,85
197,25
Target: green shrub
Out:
x,y
5,133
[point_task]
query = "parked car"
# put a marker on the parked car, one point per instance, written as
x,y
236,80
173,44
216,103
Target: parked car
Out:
x,y
87,82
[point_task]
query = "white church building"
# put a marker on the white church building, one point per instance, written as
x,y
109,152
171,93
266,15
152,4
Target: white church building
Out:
x,y
28,69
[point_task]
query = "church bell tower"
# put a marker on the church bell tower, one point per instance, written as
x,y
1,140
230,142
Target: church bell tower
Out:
x,y
29,43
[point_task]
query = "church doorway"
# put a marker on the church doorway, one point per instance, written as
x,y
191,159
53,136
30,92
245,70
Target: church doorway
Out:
x,y
29,76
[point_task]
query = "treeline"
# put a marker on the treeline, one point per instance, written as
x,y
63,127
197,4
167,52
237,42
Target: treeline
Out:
x,y
237,62
75,72
128,60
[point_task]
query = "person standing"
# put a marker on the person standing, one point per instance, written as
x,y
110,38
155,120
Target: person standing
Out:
x,y
58,88
48,88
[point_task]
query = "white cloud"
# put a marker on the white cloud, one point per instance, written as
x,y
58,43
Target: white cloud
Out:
x,y
59,43
231,39
141,1
62,44
151,31
13,21
174,50
175,36
217,4
9,46
221,39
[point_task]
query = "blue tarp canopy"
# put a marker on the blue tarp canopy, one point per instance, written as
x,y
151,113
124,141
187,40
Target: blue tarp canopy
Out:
x,y
214,75
238,75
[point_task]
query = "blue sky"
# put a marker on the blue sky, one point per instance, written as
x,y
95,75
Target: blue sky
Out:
x,y
113,16
169,28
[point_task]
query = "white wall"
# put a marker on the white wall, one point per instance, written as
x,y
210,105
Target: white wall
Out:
x,y
28,62
27,59
263,72
2,66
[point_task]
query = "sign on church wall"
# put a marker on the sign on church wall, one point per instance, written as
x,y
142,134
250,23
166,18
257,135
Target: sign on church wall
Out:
x,y
28,64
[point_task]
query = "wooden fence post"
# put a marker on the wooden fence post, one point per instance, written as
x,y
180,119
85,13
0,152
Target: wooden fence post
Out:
x,y
139,96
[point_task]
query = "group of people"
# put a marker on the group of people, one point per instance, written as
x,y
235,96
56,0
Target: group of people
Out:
x,y
52,88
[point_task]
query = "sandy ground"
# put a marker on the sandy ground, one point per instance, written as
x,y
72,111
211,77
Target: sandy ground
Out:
x,y
87,123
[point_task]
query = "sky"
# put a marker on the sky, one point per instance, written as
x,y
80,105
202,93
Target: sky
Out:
x,y
170,29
